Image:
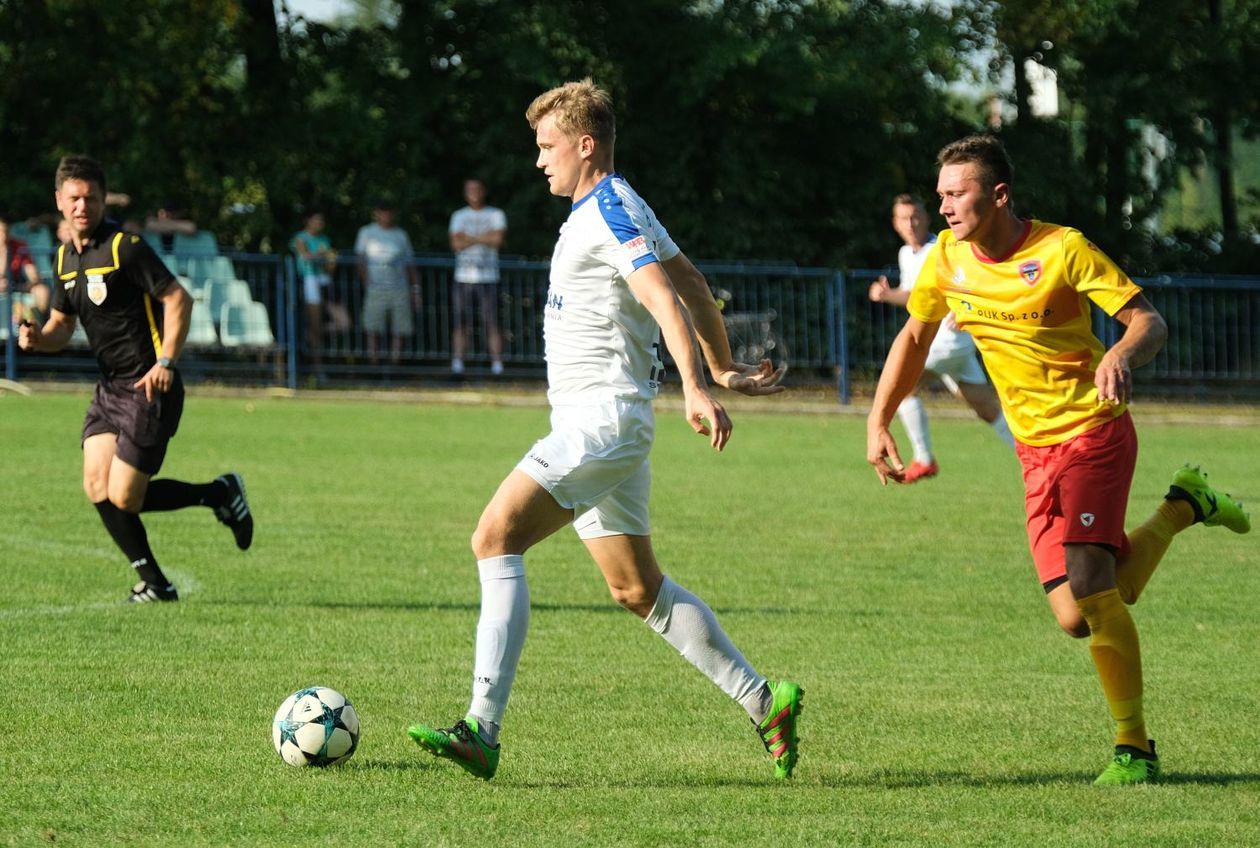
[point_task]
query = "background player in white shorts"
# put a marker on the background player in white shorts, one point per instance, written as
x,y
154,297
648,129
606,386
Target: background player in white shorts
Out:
x,y
952,358
610,301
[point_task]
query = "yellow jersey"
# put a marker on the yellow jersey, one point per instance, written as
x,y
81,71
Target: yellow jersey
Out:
x,y
1029,315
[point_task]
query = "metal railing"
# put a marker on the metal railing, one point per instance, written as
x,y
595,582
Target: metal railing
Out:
x,y
251,325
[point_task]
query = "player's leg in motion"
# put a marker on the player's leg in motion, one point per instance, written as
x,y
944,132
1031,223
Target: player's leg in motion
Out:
x,y
225,495
116,490
1190,500
635,580
520,515
914,418
1117,658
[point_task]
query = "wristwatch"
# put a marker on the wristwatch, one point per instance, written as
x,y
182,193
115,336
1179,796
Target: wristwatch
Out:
x,y
166,362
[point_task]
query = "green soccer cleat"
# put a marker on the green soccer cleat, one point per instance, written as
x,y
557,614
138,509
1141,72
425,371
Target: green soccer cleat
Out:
x,y
1211,507
778,730
461,743
1129,766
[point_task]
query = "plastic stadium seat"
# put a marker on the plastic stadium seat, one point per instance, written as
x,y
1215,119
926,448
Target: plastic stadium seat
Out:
x,y
238,291
201,326
245,325
200,243
175,264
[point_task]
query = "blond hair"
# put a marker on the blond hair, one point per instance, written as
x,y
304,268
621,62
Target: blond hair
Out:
x,y
581,108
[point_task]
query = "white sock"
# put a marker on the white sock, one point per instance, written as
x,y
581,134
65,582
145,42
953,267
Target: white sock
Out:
x,y
500,636
1003,430
690,626
914,418
496,368
457,366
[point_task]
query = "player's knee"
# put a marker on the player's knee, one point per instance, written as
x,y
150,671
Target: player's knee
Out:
x,y
1074,626
637,599
127,501
96,487
488,539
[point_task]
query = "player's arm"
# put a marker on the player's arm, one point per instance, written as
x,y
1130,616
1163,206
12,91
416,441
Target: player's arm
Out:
x,y
651,286
50,338
177,306
460,241
494,238
1144,334
693,290
881,291
901,374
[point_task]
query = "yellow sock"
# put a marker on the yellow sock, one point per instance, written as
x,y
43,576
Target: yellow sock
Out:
x,y
1147,545
1114,646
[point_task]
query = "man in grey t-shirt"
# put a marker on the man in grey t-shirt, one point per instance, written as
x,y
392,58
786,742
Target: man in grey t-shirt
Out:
x,y
477,233
384,254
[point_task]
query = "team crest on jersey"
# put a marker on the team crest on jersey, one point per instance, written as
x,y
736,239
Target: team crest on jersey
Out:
x,y
96,288
1031,271
960,277
637,247
1087,518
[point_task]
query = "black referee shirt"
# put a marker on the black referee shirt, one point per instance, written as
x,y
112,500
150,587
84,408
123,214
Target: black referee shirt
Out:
x,y
113,287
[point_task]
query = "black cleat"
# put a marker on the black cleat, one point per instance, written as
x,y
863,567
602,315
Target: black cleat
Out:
x,y
144,593
234,512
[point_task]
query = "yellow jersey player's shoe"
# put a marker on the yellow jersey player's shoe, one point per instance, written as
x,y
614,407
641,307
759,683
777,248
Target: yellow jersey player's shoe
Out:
x,y
778,729
461,743
1129,766
1211,507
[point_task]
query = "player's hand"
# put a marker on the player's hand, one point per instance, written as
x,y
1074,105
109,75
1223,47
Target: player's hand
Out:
x,y
29,335
879,289
158,379
752,380
950,321
881,452
1114,378
707,417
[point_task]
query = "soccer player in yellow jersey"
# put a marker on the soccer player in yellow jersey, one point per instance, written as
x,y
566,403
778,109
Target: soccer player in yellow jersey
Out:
x,y
1022,288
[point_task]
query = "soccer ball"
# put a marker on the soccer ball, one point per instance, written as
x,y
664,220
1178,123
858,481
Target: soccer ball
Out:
x,y
315,726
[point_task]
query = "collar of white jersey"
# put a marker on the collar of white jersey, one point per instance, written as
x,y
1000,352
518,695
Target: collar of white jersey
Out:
x,y
615,175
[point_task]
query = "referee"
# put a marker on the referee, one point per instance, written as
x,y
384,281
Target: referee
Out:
x,y
135,315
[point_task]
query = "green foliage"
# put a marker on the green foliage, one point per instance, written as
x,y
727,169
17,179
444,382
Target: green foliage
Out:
x,y
943,706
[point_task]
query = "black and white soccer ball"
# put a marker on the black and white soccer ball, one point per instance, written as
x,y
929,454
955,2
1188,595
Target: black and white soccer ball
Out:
x,y
315,726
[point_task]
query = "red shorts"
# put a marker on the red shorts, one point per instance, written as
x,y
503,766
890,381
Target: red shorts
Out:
x,y
1078,492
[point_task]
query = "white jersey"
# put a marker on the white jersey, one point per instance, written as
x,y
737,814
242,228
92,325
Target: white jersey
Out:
x,y
478,263
601,343
948,341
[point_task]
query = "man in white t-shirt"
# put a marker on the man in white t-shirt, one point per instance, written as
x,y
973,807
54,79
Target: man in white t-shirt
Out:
x,y
391,287
477,233
952,358
618,283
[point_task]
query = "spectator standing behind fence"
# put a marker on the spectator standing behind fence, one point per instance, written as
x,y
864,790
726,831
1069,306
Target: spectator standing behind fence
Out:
x,y
952,359
477,233
315,265
384,260
166,222
16,262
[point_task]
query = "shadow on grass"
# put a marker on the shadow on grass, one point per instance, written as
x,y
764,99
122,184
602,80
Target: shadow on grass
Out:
x,y
918,780
422,606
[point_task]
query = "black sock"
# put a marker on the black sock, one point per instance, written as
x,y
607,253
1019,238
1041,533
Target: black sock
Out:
x,y
128,533
165,495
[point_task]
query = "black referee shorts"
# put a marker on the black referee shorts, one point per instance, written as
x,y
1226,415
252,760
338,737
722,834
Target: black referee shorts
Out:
x,y
143,427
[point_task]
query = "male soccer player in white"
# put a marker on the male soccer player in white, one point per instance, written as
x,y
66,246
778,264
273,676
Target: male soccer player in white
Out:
x,y
618,283
952,358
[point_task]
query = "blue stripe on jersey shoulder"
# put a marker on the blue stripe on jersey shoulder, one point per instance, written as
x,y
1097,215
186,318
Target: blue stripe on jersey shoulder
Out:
x,y
613,210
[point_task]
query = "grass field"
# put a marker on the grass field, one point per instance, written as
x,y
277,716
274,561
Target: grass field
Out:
x,y
943,705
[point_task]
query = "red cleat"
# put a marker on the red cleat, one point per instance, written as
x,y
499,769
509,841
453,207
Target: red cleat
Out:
x,y
919,470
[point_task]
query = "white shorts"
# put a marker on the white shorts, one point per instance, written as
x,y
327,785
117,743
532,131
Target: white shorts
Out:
x,y
311,286
595,462
956,367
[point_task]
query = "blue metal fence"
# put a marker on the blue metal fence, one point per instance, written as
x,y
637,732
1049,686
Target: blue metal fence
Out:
x,y
250,325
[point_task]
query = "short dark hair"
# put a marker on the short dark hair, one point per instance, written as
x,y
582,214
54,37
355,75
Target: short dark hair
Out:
x,y
985,152
79,167
385,204
907,200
